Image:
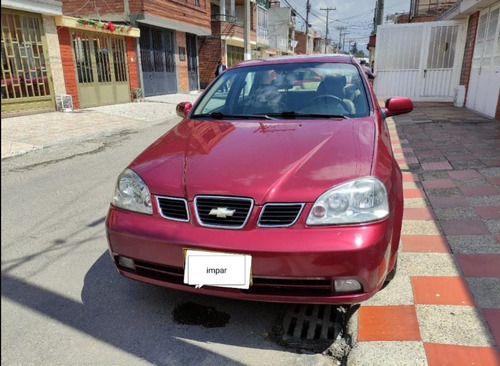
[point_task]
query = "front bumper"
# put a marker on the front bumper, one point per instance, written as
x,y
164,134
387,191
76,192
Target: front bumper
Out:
x,y
298,264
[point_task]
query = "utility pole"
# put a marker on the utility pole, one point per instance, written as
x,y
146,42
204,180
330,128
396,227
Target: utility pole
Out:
x,y
343,41
308,8
246,35
379,12
326,36
340,37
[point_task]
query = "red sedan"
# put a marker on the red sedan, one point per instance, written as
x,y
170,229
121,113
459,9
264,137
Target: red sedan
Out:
x,y
265,191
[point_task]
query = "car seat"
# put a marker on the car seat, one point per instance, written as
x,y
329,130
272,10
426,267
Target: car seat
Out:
x,y
333,85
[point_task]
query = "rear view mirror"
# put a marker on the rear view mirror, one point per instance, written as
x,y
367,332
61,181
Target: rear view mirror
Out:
x,y
183,108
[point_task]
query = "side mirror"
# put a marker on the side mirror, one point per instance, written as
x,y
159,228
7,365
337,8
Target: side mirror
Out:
x,y
183,108
398,105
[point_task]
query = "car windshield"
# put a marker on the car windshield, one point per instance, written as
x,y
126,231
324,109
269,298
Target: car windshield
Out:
x,y
286,91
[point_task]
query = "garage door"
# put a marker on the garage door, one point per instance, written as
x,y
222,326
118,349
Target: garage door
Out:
x,y
484,84
420,61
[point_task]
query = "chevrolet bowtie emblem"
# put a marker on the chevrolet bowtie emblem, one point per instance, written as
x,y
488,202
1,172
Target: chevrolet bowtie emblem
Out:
x,y
221,212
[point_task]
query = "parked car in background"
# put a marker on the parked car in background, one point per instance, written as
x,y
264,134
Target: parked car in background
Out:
x,y
307,79
265,191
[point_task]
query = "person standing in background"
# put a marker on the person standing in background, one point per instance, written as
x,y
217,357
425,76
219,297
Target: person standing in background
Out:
x,y
220,68
367,69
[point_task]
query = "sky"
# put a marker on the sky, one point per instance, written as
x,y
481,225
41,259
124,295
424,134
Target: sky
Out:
x,y
354,16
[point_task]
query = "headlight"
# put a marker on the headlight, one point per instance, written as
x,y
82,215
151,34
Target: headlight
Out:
x,y
131,193
361,200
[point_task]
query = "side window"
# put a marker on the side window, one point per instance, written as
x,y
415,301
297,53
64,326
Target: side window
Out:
x,y
355,91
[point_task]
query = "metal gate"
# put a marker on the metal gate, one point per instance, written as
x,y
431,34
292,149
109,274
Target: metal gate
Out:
x,y
158,61
420,61
192,58
101,69
484,84
26,78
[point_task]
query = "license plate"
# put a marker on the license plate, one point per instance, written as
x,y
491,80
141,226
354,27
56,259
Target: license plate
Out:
x,y
217,269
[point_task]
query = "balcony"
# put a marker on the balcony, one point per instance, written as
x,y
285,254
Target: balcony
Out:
x,y
224,18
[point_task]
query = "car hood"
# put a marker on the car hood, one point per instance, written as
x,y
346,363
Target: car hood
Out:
x,y
287,161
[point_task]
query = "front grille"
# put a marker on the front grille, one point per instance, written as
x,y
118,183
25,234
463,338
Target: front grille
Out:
x,y
158,272
222,211
173,208
280,214
291,287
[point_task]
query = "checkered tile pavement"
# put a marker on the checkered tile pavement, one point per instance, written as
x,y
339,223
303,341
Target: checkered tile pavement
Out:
x,y
443,307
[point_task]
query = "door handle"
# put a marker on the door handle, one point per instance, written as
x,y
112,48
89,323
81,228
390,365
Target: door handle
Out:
x,y
425,73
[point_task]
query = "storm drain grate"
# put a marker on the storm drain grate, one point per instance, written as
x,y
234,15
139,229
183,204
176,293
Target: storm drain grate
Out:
x,y
310,327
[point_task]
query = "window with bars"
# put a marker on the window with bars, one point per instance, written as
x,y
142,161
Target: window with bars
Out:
x,y
24,72
81,48
119,59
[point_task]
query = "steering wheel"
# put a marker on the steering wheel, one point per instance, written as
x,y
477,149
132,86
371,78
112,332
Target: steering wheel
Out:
x,y
336,99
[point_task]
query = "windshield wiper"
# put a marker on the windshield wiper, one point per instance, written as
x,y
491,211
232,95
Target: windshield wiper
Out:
x,y
293,114
219,115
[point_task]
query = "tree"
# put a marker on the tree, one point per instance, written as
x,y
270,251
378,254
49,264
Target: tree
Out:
x,y
354,48
359,53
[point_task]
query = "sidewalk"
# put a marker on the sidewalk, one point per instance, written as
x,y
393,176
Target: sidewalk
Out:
x,y
32,132
443,307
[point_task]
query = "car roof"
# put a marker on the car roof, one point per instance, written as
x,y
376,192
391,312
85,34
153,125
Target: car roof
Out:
x,y
331,58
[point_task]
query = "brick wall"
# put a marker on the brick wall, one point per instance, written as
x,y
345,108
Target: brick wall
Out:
x,y
132,63
210,51
95,9
67,65
180,11
423,18
301,42
182,66
469,50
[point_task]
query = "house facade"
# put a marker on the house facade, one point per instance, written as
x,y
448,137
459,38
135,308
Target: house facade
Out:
x,y
226,42
98,61
282,23
458,56
479,87
166,47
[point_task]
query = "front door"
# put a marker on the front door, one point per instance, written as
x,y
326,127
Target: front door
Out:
x,y
158,61
439,66
419,60
101,68
192,57
482,95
